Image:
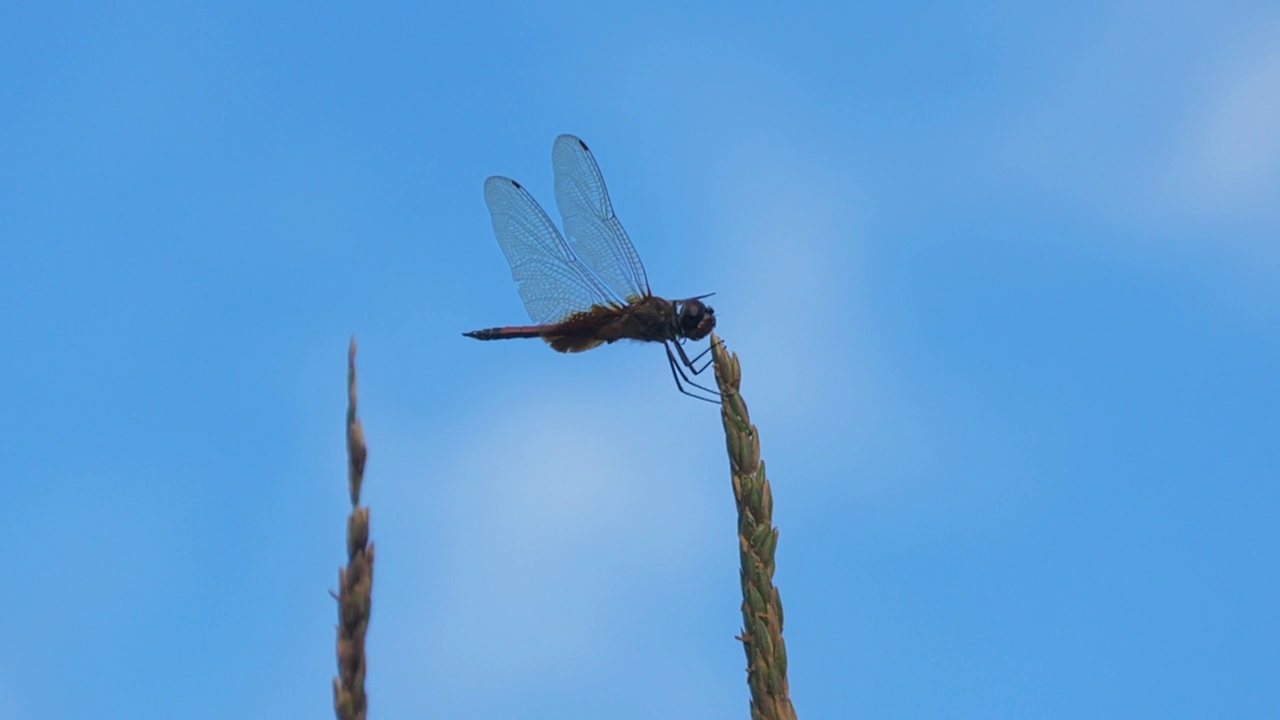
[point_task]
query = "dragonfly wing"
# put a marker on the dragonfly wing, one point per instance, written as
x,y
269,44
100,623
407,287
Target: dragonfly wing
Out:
x,y
553,283
594,233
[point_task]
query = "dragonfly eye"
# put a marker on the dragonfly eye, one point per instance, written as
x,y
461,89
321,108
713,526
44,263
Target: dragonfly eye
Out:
x,y
696,320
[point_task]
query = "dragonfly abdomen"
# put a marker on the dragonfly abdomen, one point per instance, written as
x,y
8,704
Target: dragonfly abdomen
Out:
x,y
554,335
504,333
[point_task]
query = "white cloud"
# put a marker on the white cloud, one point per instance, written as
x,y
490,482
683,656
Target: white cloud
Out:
x,y
556,516
1230,160
791,254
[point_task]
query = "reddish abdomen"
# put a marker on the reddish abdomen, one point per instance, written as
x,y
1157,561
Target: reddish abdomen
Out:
x,y
504,333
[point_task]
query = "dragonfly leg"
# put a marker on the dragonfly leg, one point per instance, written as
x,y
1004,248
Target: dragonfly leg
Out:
x,y
692,364
678,373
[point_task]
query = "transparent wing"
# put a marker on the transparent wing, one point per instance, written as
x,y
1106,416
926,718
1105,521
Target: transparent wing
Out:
x,y
553,283
594,233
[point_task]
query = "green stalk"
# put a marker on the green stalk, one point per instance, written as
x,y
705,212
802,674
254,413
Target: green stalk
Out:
x,y
355,581
757,540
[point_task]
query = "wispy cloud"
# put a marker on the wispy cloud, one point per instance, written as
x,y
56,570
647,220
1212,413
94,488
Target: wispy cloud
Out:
x,y
545,529
1229,162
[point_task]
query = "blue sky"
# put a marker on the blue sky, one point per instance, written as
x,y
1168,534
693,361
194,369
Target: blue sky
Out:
x,y
1002,279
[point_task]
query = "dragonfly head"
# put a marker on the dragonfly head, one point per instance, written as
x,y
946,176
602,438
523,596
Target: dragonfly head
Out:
x,y
697,319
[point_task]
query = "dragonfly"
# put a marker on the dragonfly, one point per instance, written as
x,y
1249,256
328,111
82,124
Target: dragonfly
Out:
x,y
590,289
